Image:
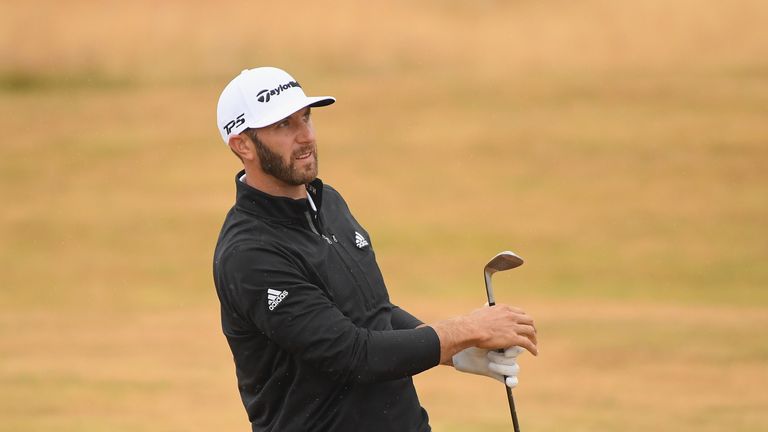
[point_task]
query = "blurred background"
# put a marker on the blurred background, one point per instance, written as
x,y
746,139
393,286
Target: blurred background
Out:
x,y
619,147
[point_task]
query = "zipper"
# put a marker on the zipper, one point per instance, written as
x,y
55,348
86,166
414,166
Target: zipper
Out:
x,y
346,259
314,229
310,223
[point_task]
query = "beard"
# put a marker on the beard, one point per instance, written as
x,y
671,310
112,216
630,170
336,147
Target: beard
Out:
x,y
274,165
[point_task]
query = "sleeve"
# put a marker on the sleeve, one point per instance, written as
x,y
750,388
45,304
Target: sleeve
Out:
x,y
401,319
306,323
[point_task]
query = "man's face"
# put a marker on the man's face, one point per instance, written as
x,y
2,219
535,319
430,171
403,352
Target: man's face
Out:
x,y
287,149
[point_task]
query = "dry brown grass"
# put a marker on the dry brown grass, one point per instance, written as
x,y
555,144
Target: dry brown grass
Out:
x,y
623,145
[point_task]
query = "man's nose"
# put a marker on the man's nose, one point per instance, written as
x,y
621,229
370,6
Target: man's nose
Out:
x,y
307,133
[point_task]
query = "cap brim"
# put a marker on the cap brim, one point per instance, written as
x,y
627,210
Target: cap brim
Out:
x,y
321,101
288,109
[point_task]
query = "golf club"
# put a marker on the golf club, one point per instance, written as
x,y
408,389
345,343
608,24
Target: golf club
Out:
x,y
502,261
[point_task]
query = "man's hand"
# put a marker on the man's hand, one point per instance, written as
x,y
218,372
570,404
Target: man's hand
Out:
x,y
491,328
492,364
503,326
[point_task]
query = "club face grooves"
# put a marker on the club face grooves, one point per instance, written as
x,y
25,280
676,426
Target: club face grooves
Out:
x,y
503,261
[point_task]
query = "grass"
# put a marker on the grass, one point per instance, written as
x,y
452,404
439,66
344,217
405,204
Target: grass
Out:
x,y
618,147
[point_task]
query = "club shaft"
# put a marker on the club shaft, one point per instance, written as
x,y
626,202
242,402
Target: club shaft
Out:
x,y
510,399
512,410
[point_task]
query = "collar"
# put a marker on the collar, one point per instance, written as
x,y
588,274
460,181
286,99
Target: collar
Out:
x,y
273,207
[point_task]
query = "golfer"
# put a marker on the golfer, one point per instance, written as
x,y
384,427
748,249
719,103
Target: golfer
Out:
x,y
316,341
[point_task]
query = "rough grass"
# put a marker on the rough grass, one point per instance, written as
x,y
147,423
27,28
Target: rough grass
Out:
x,y
618,147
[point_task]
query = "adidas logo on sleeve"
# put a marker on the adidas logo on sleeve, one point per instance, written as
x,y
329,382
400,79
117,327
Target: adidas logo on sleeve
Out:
x,y
274,297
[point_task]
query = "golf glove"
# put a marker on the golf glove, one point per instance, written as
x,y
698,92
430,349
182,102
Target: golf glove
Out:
x,y
490,363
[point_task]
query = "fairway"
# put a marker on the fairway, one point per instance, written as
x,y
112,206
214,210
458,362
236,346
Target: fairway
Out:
x,y
619,148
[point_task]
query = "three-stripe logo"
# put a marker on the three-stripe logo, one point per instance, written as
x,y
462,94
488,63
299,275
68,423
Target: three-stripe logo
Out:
x,y
274,297
360,241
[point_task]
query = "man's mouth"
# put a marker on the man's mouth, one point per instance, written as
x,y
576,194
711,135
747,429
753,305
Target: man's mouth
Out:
x,y
304,155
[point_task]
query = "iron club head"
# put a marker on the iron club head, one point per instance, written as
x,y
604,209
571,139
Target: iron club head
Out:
x,y
502,261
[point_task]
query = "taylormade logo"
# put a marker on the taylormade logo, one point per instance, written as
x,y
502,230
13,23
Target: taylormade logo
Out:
x,y
266,94
274,297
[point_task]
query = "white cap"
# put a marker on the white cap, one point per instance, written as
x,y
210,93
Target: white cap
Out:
x,y
260,97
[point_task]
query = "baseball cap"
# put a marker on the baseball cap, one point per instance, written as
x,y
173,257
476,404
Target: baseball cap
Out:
x,y
260,97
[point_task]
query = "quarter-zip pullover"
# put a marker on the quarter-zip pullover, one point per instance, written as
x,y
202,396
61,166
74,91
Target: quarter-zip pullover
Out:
x,y
316,342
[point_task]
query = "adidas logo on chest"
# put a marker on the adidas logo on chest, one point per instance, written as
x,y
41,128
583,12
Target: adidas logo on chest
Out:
x,y
360,241
274,297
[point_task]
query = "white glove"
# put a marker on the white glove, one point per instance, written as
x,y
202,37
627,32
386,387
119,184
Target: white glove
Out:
x,y
490,363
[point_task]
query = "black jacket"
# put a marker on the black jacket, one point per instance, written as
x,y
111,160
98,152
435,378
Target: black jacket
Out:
x,y
316,342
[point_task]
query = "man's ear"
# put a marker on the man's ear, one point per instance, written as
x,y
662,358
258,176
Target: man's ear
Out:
x,y
242,147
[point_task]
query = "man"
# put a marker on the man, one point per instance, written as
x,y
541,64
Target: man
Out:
x,y
316,342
